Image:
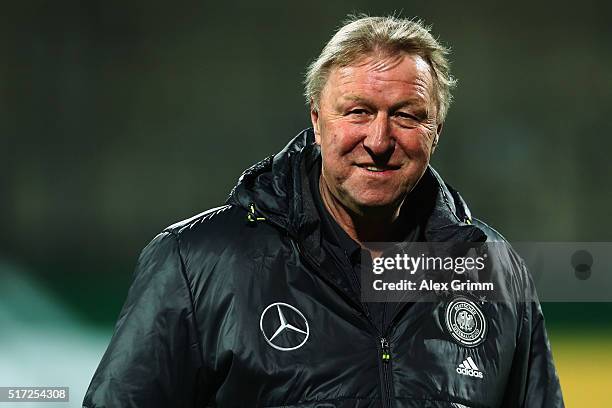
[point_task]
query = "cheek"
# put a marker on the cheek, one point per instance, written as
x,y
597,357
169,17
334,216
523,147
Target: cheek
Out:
x,y
416,146
339,140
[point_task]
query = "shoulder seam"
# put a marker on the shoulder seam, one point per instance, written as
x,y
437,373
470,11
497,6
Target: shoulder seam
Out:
x,y
179,226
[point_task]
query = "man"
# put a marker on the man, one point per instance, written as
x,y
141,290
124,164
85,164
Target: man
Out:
x,y
257,303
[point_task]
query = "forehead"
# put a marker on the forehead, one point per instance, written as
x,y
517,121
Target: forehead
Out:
x,y
388,75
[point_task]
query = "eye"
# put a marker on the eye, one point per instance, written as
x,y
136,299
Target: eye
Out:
x,y
358,112
405,115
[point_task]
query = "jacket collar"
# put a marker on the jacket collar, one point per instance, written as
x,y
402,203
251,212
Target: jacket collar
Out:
x,y
278,188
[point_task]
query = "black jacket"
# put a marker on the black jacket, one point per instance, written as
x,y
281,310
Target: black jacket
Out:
x,y
234,308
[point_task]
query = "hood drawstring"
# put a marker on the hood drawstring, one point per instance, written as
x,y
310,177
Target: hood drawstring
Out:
x,y
251,216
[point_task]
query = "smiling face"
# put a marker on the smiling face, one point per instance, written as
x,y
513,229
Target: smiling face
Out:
x,y
376,125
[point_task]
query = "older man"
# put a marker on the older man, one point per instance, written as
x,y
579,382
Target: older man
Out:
x,y
257,303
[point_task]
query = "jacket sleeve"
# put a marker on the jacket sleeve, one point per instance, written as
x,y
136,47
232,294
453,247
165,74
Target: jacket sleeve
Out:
x,y
154,358
533,382
543,388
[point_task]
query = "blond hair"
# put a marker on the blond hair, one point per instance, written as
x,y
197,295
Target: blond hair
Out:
x,y
361,35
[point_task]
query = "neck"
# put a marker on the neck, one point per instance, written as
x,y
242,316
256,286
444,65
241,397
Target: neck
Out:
x,y
378,225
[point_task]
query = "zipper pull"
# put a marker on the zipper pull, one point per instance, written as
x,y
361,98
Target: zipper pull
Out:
x,y
252,216
386,353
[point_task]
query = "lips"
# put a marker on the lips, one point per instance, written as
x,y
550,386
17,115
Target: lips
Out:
x,y
377,168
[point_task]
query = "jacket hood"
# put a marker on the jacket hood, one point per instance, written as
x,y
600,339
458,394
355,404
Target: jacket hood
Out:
x,y
276,188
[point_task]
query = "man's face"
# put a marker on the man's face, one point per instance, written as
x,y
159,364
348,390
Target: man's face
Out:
x,y
377,128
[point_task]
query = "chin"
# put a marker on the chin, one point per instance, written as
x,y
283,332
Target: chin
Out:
x,y
377,204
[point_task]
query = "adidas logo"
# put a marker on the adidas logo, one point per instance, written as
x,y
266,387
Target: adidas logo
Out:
x,y
468,367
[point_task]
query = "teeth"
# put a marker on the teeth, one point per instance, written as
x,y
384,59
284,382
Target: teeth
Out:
x,y
373,168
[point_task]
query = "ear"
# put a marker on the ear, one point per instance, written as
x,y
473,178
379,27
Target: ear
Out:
x,y
314,118
437,138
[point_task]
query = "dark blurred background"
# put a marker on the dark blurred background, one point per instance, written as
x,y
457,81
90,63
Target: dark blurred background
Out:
x,y
120,118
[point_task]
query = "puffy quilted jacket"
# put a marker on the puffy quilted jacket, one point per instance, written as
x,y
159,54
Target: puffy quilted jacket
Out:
x,y
235,308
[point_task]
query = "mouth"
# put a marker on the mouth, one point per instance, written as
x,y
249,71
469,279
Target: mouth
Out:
x,y
376,168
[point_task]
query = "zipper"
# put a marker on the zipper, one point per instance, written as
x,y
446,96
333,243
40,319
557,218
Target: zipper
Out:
x,y
385,348
385,368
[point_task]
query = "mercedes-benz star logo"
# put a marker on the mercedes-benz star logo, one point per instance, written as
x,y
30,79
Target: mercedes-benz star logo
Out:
x,y
289,326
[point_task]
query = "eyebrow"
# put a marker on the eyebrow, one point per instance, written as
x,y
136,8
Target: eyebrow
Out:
x,y
414,102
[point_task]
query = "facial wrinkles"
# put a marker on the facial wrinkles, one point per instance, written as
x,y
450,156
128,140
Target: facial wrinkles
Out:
x,y
382,64
420,81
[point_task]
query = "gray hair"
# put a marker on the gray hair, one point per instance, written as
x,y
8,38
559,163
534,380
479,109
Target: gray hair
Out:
x,y
361,35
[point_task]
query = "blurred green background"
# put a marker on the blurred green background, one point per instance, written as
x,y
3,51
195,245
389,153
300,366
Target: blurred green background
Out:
x,y
120,118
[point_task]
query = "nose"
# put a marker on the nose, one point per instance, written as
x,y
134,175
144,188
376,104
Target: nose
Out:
x,y
379,142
